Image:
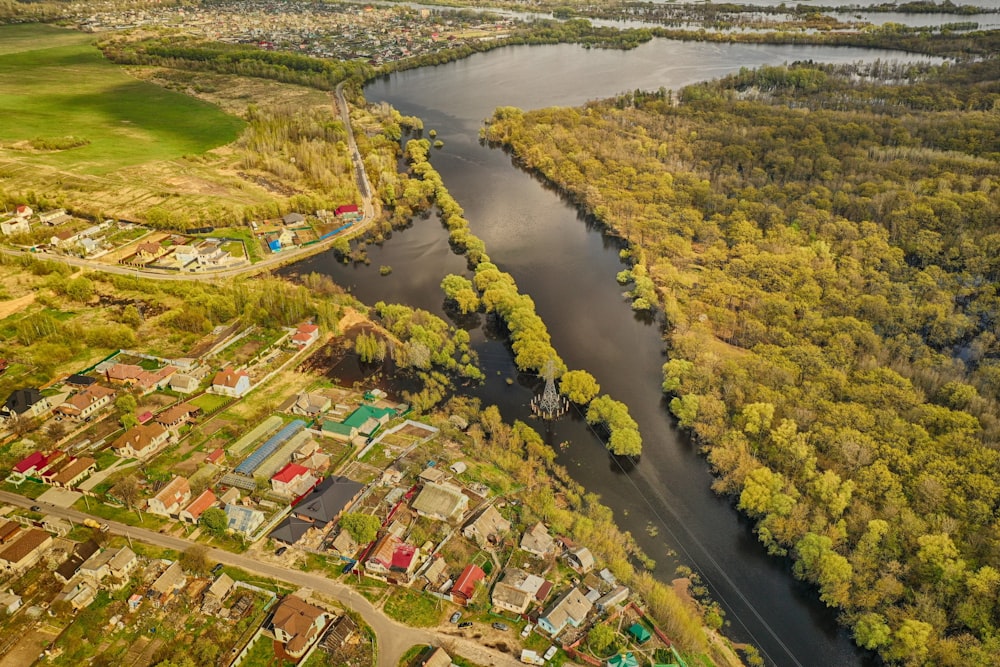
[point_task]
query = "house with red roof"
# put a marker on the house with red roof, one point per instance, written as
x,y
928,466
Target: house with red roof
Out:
x,y
217,457
193,512
465,585
392,559
346,209
29,465
305,335
231,382
293,480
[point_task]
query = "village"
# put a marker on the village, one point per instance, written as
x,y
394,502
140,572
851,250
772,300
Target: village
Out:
x,y
199,250
376,34
317,477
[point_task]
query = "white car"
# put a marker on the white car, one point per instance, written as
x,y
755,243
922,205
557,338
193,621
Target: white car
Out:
x,y
550,652
527,630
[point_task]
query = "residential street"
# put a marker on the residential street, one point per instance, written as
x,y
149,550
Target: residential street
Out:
x,y
393,638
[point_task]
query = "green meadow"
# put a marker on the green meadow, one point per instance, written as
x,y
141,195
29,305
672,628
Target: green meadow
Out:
x,y
55,84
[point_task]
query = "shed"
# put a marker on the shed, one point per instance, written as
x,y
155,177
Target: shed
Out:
x,y
639,633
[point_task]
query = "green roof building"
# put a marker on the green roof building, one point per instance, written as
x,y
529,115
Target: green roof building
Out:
x,y
638,633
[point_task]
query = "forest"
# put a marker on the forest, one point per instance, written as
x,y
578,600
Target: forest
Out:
x,y
823,244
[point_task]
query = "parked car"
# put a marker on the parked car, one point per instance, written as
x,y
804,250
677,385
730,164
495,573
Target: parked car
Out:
x,y
281,551
218,566
467,624
527,630
500,626
36,508
550,653
454,617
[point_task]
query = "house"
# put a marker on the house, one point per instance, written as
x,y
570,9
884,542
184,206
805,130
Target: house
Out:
x,y
193,512
54,217
367,419
23,211
436,573
132,375
184,384
123,374
216,593
24,404
123,561
168,583
32,464
305,335
617,595
328,500
177,415
149,251
516,591
339,430
391,558
171,498
293,219
570,608
436,657
97,566
243,520
346,209
465,585
69,567
432,474
78,594
25,550
230,382
85,404
140,441
580,559
310,405
442,502
311,456
216,457
15,226
537,541
74,472
297,624
293,480
79,381
9,531
487,528
344,544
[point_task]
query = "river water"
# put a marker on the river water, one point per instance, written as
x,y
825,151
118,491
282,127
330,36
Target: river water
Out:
x,y
568,267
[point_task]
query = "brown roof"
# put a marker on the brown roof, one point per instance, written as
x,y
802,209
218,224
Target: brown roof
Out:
x,y
8,529
124,372
175,413
228,377
139,437
29,541
91,394
201,503
296,617
173,491
71,471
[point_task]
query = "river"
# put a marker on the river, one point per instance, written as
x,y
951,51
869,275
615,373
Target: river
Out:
x,y
568,267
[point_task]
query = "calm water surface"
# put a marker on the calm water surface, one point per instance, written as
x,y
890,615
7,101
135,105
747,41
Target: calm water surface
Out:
x,y
568,267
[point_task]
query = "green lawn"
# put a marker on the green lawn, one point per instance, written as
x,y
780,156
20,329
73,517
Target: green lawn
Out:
x,y
62,86
414,609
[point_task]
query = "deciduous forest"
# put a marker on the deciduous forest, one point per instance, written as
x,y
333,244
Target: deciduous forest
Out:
x,y
824,244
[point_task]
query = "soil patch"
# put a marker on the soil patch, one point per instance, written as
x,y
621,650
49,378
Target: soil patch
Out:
x,y
8,308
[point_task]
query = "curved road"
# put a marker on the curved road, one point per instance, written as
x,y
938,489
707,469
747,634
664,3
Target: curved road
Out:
x,y
369,207
392,639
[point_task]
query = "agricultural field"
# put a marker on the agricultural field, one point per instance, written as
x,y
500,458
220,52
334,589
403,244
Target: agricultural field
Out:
x,y
63,87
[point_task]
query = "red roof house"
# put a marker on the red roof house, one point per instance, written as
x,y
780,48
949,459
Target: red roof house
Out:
x,y
29,464
305,335
345,209
465,586
293,480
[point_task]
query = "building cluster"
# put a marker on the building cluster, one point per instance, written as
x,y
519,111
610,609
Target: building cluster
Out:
x,y
176,252
338,31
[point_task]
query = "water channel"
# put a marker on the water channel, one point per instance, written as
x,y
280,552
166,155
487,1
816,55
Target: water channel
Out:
x,y
568,267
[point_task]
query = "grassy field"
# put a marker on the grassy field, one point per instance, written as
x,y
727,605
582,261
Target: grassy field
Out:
x,y
63,86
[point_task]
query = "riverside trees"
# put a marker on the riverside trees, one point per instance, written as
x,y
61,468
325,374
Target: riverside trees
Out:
x,y
823,242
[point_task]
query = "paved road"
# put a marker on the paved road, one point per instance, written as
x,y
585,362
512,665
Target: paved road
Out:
x,y
393,639
369,208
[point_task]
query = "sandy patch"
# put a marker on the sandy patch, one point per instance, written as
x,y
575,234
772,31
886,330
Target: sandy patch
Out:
x,y
8,308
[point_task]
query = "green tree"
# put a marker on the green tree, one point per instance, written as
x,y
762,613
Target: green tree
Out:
x,y
579,386
600,638
363,528
214,520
